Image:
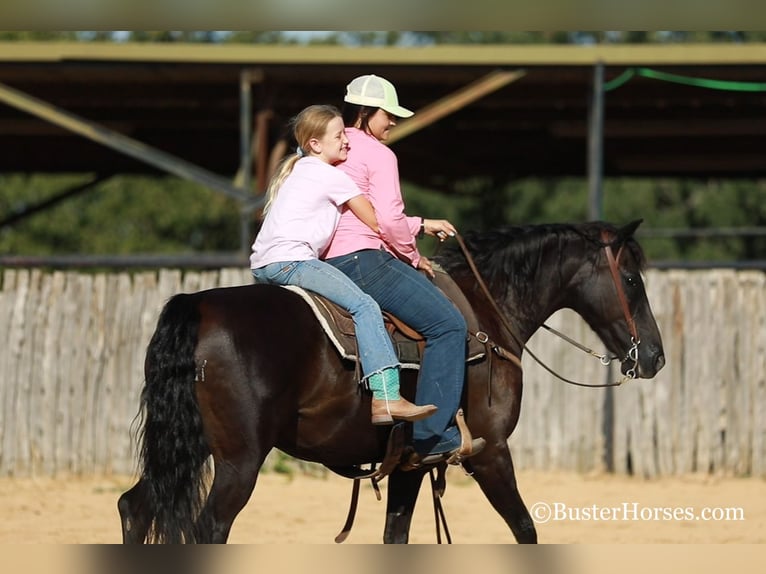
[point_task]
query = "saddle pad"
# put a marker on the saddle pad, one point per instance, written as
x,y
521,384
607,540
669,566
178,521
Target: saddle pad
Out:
x,y
339,325
340,333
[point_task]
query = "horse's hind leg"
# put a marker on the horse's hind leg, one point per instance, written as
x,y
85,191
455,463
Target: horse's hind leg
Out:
x,y
494,472
231,489
134,515
403,488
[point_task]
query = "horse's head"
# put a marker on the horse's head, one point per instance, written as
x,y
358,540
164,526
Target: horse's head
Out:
x,y
535,270
609,294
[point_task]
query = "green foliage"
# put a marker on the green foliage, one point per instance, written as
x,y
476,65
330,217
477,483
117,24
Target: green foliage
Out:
x,y
38,36
165,215
122,215
663,204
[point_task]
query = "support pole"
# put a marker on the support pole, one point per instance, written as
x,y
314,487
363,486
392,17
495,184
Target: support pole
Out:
x,y
596,145
596,212
262,121
245,156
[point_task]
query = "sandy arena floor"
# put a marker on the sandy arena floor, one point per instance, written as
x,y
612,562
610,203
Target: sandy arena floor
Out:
x,y
599,509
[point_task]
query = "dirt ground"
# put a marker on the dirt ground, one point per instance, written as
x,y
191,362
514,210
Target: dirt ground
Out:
x,y
598,509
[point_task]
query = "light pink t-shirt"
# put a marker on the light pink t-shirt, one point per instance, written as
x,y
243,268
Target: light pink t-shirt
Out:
x,y
375,170
303,216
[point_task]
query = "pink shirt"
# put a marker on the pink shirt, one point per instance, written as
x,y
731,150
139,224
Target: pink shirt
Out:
x,y
375,170
303,216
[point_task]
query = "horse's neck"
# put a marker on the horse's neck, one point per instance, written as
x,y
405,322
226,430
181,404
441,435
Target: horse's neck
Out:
x,y
526,311
488,319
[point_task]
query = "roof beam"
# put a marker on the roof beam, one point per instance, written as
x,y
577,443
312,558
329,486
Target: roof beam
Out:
x,y
454,102
121,143
508,55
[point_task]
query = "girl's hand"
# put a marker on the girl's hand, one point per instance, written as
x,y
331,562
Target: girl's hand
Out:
x,y
363,209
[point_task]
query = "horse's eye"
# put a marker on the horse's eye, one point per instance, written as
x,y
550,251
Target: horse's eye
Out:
x,y
631,280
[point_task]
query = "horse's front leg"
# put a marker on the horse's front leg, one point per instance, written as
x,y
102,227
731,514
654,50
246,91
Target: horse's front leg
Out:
x,y
493,470
403,488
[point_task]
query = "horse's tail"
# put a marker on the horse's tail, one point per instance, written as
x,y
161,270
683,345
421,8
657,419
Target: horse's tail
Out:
x,y
173,450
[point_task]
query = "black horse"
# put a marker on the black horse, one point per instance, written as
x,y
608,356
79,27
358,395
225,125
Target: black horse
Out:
x,y
234,372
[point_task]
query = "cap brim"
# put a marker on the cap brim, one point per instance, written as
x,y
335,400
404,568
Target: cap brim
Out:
x,y
398,111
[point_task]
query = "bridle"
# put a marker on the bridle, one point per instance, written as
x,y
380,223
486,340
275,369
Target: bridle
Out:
x,y
605,360
614,264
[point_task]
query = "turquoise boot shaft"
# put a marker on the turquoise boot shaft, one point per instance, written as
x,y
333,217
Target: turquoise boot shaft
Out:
x,y
385,384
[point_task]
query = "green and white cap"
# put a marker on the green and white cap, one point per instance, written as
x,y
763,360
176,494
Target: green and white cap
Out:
x,y
375,92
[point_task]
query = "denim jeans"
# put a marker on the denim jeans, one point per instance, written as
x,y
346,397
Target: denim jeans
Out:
x,y
376,352
409,295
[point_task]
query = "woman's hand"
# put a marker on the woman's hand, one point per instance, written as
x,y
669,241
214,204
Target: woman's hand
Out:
x,y
426,266
439,228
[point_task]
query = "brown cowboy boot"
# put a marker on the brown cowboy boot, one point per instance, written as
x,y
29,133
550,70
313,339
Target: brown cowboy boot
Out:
x,y
387,403
384,412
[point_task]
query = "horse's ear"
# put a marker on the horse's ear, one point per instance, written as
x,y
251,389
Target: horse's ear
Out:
x,y
629,229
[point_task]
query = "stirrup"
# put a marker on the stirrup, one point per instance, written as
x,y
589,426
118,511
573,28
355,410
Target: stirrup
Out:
x,y
455,456
466,440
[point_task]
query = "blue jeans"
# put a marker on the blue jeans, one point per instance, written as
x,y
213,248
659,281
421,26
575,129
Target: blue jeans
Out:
x,y
376,352
409,295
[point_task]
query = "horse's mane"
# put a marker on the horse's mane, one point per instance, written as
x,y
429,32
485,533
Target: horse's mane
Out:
x,y
510,258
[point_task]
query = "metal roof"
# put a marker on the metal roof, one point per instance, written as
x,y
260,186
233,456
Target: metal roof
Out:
x,y
185,100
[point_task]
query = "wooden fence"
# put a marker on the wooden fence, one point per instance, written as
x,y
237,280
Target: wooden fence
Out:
x,y
72,346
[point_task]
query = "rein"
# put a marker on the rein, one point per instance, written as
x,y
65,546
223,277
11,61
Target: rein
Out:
x,y
613,266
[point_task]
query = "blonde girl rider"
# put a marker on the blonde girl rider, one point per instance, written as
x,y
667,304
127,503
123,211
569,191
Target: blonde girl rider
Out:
x,y
305,200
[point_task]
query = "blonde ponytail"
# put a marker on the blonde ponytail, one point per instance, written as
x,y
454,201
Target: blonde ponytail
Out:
x,y
283,170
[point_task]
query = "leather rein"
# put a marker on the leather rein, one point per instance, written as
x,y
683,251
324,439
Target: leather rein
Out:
x,y
605,360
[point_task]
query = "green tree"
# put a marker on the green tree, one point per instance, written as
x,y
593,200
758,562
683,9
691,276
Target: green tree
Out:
x,y
663,204
123,215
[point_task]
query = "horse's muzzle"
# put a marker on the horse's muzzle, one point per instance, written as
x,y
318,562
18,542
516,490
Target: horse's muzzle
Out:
x,y
651,359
